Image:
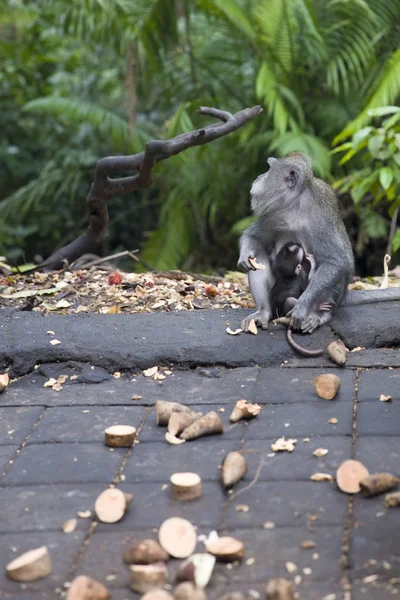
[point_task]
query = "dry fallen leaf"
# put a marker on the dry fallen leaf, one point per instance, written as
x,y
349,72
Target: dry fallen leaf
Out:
x,y
384,398
253,327
282,445
319,452
150,372
321,477
235,332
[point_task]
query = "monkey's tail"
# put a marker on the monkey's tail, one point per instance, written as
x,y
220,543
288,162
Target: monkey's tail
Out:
x,y
356,297
300,349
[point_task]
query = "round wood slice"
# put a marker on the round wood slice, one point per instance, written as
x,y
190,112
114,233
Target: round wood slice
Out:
x,y
30,566
178,537
327,385
86,588
185,486
110,505
226,548
119,436
349,475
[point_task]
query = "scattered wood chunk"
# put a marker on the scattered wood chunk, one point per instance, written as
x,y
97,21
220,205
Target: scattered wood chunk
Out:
x,y
256,265
234,468
327,385
69,526
136,397
290,567
392,500
333,421
233,332
86,588
178,537
378,483
145,552
242,508
165,409
244,410
179,421
320,452
189,591
30,566
84,514
280,589
321,477
145,578
185,486
308,544
349,475
119,436
150,372
157,594
207,425
384,398
197,568
111,505
172,439
226,549
338,352
282,445
4,381
252,327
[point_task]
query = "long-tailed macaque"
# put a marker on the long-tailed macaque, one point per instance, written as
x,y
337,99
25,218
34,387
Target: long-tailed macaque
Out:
x,y
293,206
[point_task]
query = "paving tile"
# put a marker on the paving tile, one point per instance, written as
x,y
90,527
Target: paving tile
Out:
x,y
17,423
273,548
275,386
287,503
373,383
299,464
303,420
307,591
379,453
232,431
378,418
377,590
62,549
65,463
7,453
37,508
85,423
157,461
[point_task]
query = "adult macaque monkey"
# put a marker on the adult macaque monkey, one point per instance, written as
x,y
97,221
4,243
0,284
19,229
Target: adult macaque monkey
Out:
x,y
293,206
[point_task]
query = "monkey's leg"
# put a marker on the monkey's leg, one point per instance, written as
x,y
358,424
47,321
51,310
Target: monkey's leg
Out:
x,y
260,282
289,303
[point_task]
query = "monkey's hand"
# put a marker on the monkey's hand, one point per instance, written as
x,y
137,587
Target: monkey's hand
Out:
x,y
312,320
260,317
243,263
298,315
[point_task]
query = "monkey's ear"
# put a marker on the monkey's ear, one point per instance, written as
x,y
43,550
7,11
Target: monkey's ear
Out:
x,y
292,178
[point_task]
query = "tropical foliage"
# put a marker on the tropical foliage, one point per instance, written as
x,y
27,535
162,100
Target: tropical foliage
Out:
x,y
81,80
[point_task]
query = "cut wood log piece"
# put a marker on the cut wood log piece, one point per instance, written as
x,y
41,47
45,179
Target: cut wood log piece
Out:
x,y
111,505
392,500
157,594
189,591
197,568
178,537
349,475
338,352
145,578
30,566
164,410
185,486
4,381
280,589
207,425
119,436
378,483
145,552
86,588
234,468
244,410
327,385
179,421
226,549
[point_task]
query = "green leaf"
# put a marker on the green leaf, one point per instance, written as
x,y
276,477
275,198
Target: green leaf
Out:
x,y
359,190
381,111
386,177
375,143
396,241
360,136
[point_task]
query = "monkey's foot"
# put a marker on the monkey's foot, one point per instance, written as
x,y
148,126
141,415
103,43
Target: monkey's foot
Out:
x,y
315,320
260,317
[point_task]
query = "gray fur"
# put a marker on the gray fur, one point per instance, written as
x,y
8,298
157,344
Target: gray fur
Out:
x,y
292,205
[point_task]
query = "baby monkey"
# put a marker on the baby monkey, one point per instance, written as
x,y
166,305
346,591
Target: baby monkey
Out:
x,y
293,270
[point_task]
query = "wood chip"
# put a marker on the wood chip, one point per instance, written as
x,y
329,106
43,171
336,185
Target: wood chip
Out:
x,y
244,410
290,567
308,544
282,445
150,372
172,439
319,452
30,566
252,327
321,477
69,526
84,514
233,332
242,508
55,342
384,398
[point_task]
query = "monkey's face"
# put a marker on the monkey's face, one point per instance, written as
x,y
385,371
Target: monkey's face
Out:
x,y
281,185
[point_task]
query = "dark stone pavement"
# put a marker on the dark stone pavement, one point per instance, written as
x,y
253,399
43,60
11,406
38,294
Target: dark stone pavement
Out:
x,y
53,462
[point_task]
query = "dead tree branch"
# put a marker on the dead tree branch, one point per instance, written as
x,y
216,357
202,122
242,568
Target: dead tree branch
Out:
x,y
156,150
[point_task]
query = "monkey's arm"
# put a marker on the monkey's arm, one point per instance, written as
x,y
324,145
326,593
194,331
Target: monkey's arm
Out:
x,y
311,260
251,246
